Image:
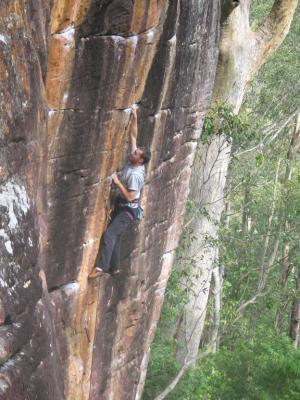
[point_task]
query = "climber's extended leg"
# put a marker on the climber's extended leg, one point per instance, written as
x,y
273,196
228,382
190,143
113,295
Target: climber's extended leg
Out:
x,y
112,238
115,257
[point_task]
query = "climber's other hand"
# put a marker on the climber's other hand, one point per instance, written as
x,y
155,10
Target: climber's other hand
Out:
x,y
115,178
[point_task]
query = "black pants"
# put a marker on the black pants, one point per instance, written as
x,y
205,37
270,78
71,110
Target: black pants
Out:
x,y
110,249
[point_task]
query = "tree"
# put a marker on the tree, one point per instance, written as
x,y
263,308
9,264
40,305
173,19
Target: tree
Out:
x,y
242,52
285,262
295,312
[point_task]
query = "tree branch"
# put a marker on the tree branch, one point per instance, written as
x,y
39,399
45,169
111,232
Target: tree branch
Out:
x,y
174,382
247,303
270,134
274,28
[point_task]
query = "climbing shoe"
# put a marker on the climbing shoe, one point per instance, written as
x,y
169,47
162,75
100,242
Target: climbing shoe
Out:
x,y
96,271
116,272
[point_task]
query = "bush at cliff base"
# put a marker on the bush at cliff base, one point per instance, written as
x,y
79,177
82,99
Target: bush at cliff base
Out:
x,y
264,368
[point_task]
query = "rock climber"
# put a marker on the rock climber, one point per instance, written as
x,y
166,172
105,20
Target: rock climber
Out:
x,y
126,209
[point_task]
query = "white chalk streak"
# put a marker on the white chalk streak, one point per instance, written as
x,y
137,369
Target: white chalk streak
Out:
x,y
2,39
68,33
14,198
8,247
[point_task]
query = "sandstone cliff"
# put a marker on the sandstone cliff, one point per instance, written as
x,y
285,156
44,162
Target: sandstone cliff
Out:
x,y
70,71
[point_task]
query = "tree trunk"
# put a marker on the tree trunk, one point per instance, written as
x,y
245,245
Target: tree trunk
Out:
x,y
285,264
217,275
242,52
295,315
227,210
246,219
201,254
265,265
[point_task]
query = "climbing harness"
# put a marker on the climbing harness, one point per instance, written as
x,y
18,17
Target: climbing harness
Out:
x,y
136,213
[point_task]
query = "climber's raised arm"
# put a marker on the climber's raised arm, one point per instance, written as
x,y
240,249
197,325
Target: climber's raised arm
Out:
x,y
133,129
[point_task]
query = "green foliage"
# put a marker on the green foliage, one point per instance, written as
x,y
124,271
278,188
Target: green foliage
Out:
x,y
259,10
262,367
175,296
275,91
221,120
162,365
266,368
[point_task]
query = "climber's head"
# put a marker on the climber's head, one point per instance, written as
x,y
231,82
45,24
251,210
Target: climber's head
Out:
x,y
140,156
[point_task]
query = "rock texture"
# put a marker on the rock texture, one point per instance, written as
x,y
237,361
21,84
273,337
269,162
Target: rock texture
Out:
x,y
70,72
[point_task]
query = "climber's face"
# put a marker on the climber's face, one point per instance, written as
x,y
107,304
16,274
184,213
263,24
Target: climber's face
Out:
x,y
136,158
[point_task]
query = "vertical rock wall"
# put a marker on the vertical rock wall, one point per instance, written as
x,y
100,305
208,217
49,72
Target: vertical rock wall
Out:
x,y
73,71
28,355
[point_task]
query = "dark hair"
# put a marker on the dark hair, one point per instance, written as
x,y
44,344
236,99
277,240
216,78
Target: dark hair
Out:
x,y
146,155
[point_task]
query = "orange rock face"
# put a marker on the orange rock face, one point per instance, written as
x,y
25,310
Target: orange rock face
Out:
x,y
70,75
